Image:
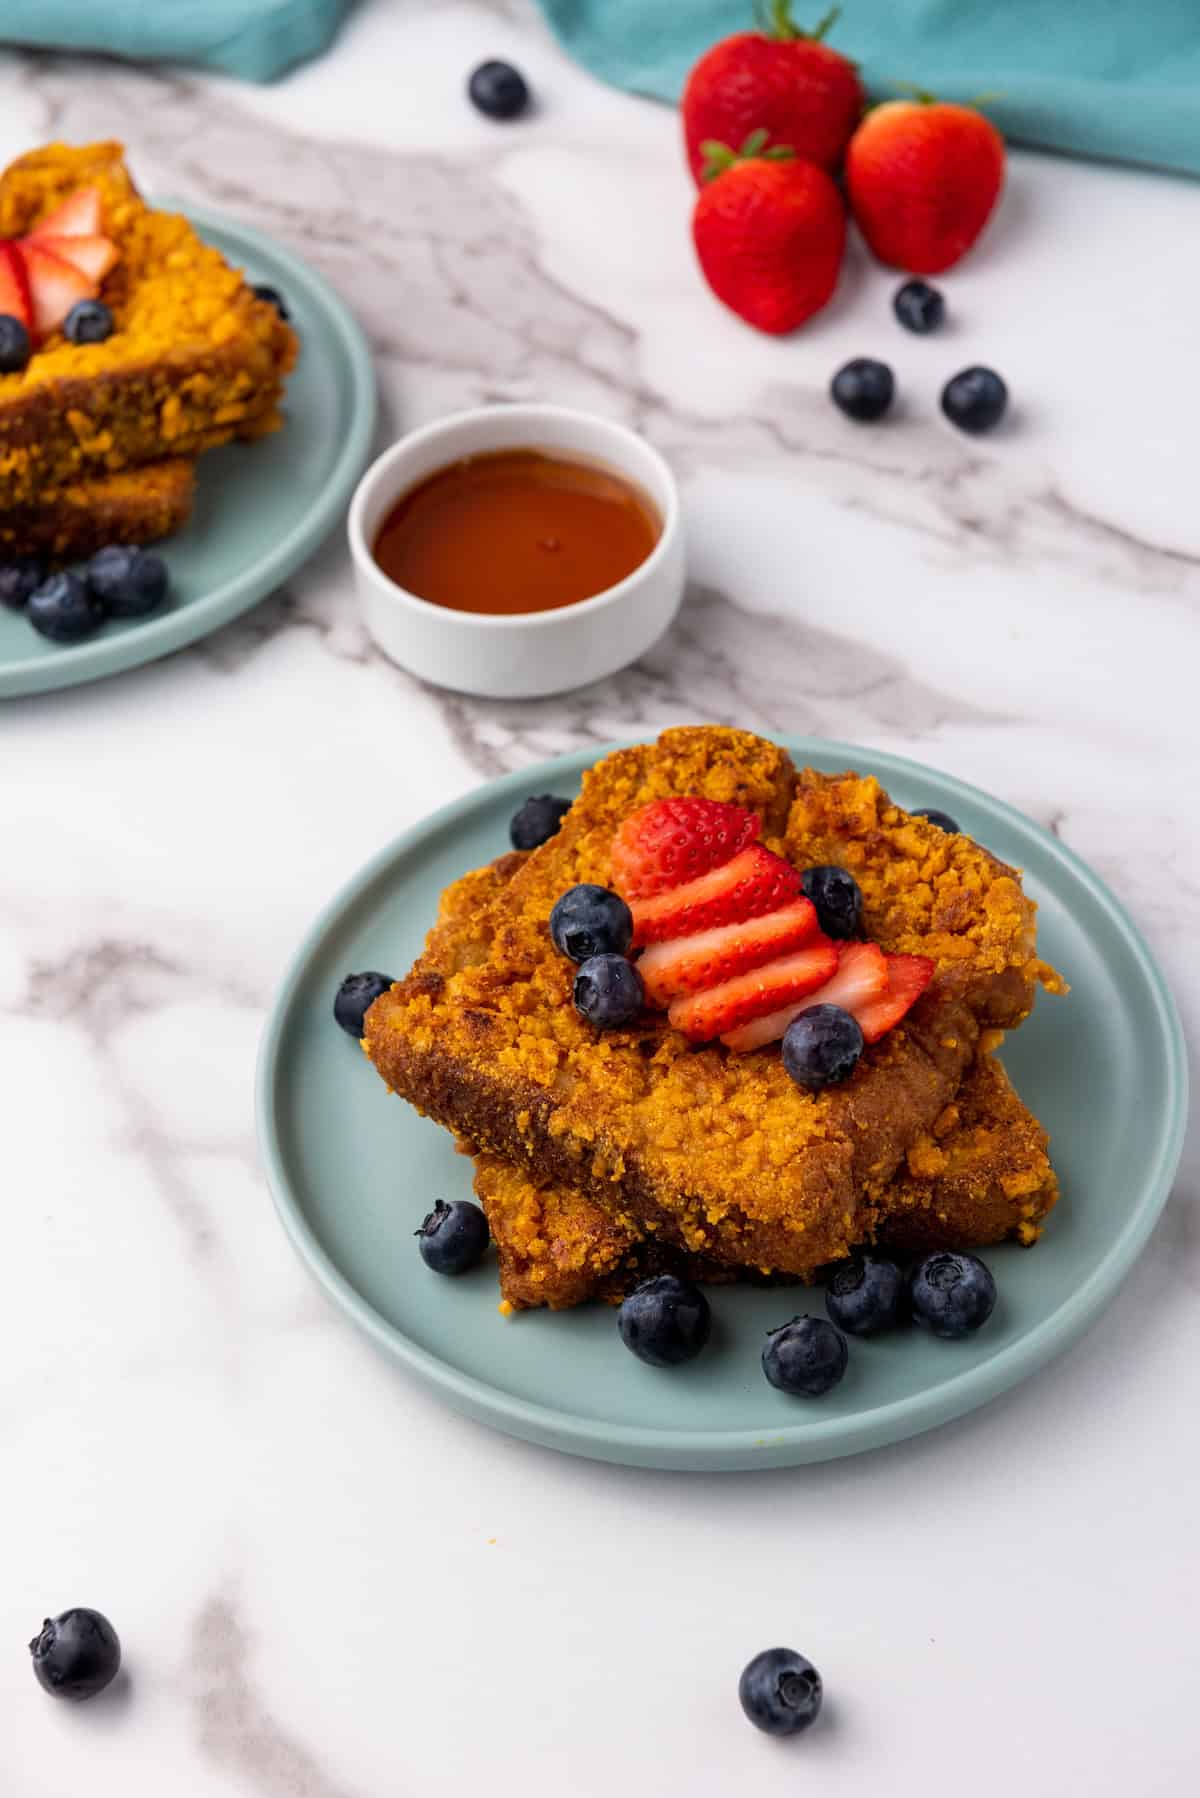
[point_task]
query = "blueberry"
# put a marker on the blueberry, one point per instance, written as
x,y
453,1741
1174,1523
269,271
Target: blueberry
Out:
x,y
822,1046
975,399
128,582
866,1294
608,992
18,580
15,347
806,1357
88,321
838,900
273,297
943,820
454,1238
355,996
76,1655
499,90
590,920
63,609
537,820
863,389
952,1294
665,1321
919,307
781,1692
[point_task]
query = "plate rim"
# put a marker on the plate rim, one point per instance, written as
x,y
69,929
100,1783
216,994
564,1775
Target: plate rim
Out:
x,y
731,1450
52,672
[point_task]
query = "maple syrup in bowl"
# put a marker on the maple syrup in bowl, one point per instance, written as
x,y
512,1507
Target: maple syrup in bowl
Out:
x,y
517,550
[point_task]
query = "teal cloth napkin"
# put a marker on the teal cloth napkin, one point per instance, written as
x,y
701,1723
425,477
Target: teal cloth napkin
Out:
x,y
256,39
1091,77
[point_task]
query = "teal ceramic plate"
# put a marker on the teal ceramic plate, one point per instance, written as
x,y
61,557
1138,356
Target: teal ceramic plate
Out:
x,y
353,1172
260,509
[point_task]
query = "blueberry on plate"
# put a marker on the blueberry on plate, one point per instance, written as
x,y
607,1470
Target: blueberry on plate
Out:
x,y
943,820
665,1321
608,992
975,399
88,321
919,307
355,996
273,297
806,1358
76,1654
454,1237
498,90
128,582
952,1294
589,920
863,389
536,821
63,609
18,580
781,1692
838,900
15,347
866,1294
822,1047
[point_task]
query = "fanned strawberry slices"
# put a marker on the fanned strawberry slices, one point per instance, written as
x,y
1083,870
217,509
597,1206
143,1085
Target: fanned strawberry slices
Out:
x,y
731,946
62,261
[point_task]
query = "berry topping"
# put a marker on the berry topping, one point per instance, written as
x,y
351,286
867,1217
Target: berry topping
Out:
x,y
128,582
952,1295
752,884
589,920
672,841
822,1046
537,820
863,389
63,609
15,346
608,992
838,900
273,297
665,1321
57,266
76,1654
861,977
689,964
16,301
781,1692
88,322
943,820
806,1357
908,976
454,1237
18,580
723,1008
55,286
975,400
92,256
919,307
355,997
865,1295
79,215
498,90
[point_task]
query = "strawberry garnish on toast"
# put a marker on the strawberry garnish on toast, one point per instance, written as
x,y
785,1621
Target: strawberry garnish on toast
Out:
x,y
62,261
16,301
79,215
671,841
92,256
908,976
861,977
703,1016
752,884
56,286
690,964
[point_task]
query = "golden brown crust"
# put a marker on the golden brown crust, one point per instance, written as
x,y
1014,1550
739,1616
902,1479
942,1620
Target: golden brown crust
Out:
x,y
135,506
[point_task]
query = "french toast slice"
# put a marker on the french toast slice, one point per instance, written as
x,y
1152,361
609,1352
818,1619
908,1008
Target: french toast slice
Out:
x,y
195,360
716,1154
134,505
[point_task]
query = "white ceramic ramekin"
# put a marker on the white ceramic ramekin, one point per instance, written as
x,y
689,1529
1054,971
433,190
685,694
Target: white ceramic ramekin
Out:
x,y
533,653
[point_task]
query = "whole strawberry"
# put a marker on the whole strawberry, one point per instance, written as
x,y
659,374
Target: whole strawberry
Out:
x,y
769,232
779,78
923,176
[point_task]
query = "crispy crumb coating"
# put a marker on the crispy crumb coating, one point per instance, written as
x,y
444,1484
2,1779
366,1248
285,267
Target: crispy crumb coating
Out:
x,y
135,505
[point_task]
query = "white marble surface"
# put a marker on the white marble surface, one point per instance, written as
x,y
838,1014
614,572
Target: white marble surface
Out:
x,y
328,1586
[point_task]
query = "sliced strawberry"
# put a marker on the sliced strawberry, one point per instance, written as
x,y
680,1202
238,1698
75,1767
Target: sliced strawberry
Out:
x,y
753,883
16,301
55,285
672,841
92,256
689,964
735,1002
861,977
80,215
908,976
